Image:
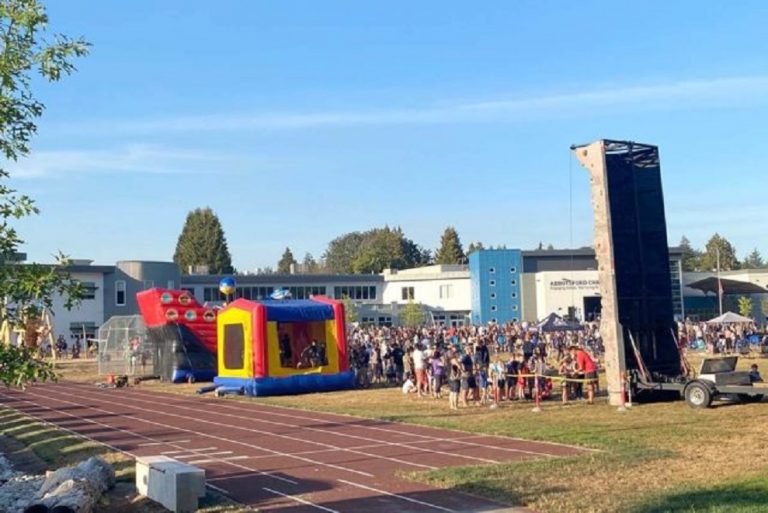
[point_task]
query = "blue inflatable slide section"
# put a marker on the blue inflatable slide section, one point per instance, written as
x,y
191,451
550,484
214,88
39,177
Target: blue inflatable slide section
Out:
x,y
290,385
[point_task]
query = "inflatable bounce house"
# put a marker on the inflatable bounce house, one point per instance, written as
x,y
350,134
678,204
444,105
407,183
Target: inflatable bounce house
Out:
x,y
281,347
181,335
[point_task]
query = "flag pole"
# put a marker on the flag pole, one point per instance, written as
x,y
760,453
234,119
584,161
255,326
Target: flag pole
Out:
x,y
719,283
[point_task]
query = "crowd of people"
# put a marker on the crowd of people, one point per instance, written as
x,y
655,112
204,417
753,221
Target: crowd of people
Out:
x,y
482,365
722,338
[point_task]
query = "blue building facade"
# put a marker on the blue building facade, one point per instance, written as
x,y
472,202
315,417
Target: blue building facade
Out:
x,y
496,277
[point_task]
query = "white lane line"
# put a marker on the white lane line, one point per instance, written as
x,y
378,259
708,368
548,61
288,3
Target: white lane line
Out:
x,y
403,497
233,458
260,432
197,455
138,435
295,439
149,444
299,499
208,435
263,409
376,443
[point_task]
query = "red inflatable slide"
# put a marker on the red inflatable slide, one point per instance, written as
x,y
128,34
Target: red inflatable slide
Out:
x,y
159,307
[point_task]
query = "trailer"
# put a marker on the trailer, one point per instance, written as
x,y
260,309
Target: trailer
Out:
x,y
717,377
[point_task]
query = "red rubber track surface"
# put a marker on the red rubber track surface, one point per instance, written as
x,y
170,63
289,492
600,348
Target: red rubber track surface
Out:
x,y
281,459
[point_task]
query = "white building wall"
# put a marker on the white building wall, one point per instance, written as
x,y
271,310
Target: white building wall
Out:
x,y
449,294
89,310
557,290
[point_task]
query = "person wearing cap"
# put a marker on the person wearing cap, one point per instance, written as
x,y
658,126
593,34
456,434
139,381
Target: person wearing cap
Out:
x,y
586,365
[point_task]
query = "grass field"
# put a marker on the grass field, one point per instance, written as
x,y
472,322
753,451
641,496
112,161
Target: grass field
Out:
x,y
650,459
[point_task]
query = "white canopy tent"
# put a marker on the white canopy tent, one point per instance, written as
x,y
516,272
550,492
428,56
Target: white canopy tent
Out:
x,y
730,318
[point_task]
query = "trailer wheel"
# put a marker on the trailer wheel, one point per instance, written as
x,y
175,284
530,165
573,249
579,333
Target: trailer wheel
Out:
x,y
747,398
698,395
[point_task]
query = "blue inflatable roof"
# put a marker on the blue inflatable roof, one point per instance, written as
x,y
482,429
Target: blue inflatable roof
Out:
x,y
297,310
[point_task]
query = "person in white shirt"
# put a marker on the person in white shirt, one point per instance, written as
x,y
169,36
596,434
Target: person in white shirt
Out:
x,y
408,386
419,368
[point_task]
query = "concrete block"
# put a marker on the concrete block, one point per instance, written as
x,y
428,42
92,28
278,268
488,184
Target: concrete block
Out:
x,y
175,485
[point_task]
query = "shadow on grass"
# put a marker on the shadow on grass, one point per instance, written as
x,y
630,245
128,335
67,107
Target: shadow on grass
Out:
x,y
747,496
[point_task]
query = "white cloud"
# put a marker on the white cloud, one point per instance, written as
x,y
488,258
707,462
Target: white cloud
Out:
x,y
663,96
142,159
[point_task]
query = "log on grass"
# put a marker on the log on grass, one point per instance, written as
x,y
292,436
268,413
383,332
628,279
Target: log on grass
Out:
x,y
74,489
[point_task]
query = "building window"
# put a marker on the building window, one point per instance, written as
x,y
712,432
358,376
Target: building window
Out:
x,y
493,320
513,283
514,295
492,283
513,270
493,308
171,284
149,284
515,319
120,293
492,270
446,291
89,289
408,293
514,308
364,293
493,295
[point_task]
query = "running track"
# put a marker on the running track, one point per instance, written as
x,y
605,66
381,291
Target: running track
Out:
x,y
281,459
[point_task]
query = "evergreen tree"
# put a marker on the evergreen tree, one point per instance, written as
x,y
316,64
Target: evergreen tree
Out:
x,y
727,254
451,251
285,263
474,246
691,259
202,242
754,260
309,265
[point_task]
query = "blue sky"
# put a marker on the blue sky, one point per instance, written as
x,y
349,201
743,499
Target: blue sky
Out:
x,y
297,121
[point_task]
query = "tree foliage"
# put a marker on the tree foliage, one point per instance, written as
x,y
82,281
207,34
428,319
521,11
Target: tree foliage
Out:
x,y
451,250
373,251
690,258
202,243
474,246
745,306
754,260
27,289
413,314
727,254
309,264
286,261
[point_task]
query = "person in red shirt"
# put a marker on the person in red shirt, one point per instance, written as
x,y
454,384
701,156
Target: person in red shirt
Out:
x,y
586,366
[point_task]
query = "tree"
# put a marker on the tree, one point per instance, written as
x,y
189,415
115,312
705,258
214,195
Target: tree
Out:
x,y
451,251
727,254
413,314
691,259
309,265
350,310
373,251
342,251
745,306
754,260
286,262
27,290
202,243
474,246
